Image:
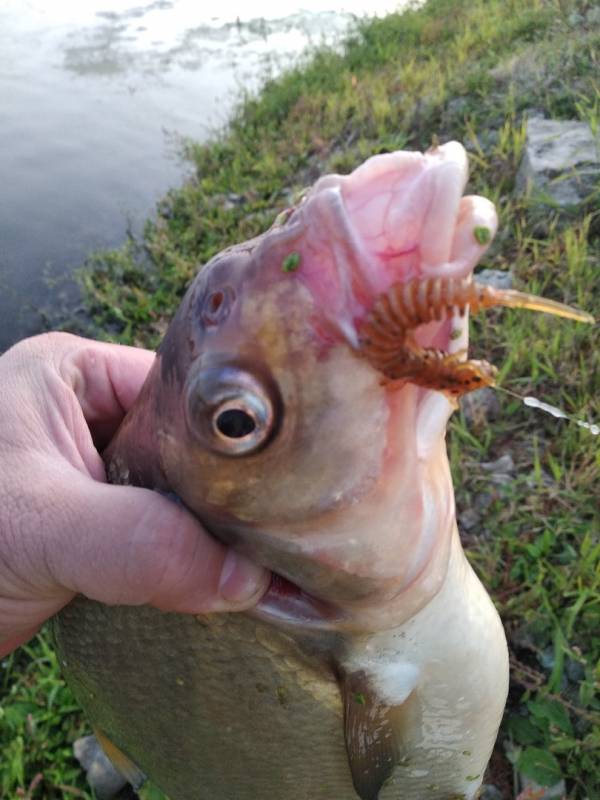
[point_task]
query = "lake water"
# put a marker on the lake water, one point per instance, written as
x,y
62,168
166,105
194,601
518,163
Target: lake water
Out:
x,y
94,97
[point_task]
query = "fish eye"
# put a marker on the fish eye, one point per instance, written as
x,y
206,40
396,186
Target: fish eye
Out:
x,y
242,423
234,423
232,410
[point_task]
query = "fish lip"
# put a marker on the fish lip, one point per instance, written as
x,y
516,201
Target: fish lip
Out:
x,y
285,603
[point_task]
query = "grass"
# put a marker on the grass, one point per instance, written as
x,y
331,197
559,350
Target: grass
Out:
x,y
470,70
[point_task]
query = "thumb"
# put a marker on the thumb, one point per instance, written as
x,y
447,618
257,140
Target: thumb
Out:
x,y
132,546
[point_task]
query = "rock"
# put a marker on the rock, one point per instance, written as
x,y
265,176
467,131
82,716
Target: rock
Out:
x,y
498,278
575,671
534,790
501,470
547,658
232,200
469,519
561,162
480,407
483,500
576,20
490,792
457,106
104,779
503,464
593,16
534,480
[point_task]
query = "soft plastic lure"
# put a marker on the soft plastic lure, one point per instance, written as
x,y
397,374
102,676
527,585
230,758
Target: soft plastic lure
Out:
x,y
387,341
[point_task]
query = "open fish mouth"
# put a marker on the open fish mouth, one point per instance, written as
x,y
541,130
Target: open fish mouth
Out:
x,y
398,218
392,248
387,253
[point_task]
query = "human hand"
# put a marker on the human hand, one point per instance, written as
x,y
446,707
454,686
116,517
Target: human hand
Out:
x,y
63,529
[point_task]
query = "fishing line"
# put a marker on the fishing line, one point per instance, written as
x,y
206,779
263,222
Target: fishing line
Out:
x,y
533,402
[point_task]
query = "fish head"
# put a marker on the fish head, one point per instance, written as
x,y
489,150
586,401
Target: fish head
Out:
x,y
263,417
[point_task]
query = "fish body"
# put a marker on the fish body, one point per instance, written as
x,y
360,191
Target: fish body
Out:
x,y
375,667
236,707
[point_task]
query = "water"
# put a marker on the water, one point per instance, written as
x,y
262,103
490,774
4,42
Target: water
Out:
x,y
94,97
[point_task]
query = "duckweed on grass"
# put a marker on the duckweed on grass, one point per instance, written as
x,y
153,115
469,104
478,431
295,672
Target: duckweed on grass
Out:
x,y
470,70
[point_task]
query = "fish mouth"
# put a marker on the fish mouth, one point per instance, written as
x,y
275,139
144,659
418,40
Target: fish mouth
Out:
x,y
399,218
287,604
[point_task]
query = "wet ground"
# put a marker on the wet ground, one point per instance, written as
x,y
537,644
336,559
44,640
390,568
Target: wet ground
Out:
x,y
94,99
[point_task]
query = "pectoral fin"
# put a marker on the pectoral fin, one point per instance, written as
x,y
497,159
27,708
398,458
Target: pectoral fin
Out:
x,y
376,724
120,761
369,739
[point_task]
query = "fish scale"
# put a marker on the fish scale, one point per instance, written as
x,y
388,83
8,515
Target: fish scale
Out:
x,y
245,693
259,713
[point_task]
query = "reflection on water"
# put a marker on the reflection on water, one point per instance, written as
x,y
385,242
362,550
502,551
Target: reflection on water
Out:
x,y
93,98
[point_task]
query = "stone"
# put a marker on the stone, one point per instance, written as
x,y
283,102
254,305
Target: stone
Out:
x,y
232,201
497,278
501,471
576,20
504,464
457,107
480,407
104,779
469,519
543,477
593,16
547,658
483,500
575,671
490,792
561,162
534,790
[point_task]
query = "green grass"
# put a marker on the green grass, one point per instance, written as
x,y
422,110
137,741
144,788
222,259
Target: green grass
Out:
x,y
468,70
38,721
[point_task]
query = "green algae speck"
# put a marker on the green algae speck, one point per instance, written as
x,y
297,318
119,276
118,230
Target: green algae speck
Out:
x,y
482,234
360,699
455,333
291,262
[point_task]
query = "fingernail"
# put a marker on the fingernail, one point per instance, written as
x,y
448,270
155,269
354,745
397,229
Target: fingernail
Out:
x,y
242,581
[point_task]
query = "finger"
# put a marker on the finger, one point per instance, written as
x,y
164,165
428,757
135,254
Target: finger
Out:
x,y
106,379
151,551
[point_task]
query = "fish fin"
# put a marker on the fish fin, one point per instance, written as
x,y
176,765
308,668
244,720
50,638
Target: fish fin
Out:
x,y
132,773
373,735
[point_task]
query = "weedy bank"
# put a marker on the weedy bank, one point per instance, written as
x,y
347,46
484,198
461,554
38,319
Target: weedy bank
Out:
x,y
472,70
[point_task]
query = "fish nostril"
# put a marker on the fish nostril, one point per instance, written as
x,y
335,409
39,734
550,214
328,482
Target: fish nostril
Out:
x,y
215,308
215,302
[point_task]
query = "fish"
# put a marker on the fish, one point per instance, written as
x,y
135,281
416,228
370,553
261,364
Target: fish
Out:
x,y
298,407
